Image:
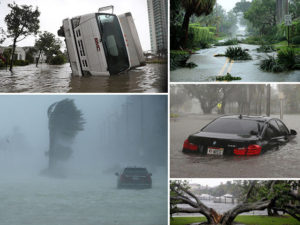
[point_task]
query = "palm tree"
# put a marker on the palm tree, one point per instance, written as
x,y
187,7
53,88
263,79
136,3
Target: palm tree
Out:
x,y
197,7
65,121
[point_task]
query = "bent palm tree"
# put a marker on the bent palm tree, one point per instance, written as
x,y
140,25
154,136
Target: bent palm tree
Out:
x,y
65,121
197,7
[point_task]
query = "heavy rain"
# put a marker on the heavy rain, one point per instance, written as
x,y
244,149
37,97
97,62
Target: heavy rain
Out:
x,y
59,155
194,106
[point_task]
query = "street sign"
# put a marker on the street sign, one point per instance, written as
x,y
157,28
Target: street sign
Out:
x,y
288,20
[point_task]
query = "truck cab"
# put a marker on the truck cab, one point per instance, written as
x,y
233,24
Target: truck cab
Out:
x,y
102,44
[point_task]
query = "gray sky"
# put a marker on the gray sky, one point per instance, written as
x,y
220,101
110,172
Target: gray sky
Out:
x,y
227,4
54,11
210,182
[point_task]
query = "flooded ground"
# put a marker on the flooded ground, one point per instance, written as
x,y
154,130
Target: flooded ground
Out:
x,y
77,201
58,79
221,208
279,163
208,67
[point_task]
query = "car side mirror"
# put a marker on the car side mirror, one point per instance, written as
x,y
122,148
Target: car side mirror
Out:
x,y
117,174
293,132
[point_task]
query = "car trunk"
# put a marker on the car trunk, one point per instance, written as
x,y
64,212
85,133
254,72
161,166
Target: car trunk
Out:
x,y
220,143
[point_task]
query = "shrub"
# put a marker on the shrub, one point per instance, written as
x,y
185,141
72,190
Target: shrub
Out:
x,y
287,58
21,62
233,41
237,53
271,64
199,36
228,77
296,40
265,48
58,60
178,59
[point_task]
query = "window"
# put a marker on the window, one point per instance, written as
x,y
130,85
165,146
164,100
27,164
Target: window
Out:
x,y
282,128
234,126
272,130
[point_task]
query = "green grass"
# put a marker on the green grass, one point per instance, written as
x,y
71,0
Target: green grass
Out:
x,y
248,220
237,53
284,45
227,77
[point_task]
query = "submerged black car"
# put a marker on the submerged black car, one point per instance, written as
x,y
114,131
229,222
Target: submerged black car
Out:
x,y
134,177
239,135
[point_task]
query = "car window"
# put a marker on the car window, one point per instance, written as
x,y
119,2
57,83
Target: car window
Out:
x,y
135,171
282,128
234,126
272,130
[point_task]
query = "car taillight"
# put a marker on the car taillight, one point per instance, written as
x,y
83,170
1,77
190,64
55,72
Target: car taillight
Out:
x,y
250,150
189,146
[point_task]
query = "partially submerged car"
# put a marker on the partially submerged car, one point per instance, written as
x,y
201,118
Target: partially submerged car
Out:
x,y
134,177
239,135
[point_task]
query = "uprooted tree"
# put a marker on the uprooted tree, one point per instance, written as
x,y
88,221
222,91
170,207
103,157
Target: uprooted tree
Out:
x,y
65,121
258,195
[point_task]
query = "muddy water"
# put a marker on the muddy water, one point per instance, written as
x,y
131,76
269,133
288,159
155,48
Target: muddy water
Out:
x,y
282,162
47,78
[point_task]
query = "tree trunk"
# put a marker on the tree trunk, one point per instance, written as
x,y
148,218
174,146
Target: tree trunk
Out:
x,y
38,59
185,29
12,54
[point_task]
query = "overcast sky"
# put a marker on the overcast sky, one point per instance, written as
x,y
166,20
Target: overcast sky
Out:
x,y
54,11
209,182
228,4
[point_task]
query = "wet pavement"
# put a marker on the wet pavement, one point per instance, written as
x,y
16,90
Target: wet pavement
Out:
x,y
58,79
209,67
282,162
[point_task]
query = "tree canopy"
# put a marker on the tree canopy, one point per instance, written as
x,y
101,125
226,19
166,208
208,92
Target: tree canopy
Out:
x,y
21,22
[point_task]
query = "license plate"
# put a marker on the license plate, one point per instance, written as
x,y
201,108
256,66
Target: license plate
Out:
x,y
135,178
215,151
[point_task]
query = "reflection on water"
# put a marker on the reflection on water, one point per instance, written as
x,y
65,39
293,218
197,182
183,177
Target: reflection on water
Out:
x,y
48,78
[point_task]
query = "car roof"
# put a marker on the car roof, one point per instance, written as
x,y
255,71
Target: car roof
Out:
x,y
245,117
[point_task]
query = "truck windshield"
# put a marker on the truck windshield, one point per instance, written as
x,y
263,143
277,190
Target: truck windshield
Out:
x,y
113,42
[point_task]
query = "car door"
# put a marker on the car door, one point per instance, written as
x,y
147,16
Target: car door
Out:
x,y
279,137
272,135
284,131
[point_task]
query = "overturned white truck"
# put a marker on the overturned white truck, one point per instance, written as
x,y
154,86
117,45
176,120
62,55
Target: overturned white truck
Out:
x,y
102,43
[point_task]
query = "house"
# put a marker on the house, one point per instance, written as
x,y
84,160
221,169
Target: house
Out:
x,y
19,52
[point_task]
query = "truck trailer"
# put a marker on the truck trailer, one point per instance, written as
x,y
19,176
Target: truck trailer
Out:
x,y
101,43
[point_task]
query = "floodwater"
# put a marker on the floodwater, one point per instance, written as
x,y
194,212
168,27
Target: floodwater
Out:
x,y
48,201
208,67
221,208
282,162
58,79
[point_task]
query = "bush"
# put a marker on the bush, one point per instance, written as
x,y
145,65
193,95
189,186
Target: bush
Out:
x,y
271,65
21,62
233,41
296,40
287,57
265,48
178,59
58,60
199,36
228,77
237,53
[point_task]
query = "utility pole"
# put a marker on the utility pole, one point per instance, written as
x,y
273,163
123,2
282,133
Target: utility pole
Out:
x,y
268,106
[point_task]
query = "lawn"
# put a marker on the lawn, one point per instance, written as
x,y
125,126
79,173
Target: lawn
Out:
x,y
284,44
248,220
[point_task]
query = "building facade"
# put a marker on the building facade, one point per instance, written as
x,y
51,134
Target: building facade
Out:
x,y
158,24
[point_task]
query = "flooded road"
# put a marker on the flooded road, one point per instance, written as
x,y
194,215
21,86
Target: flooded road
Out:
x,y
57,79
81,201
209,67
278,163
